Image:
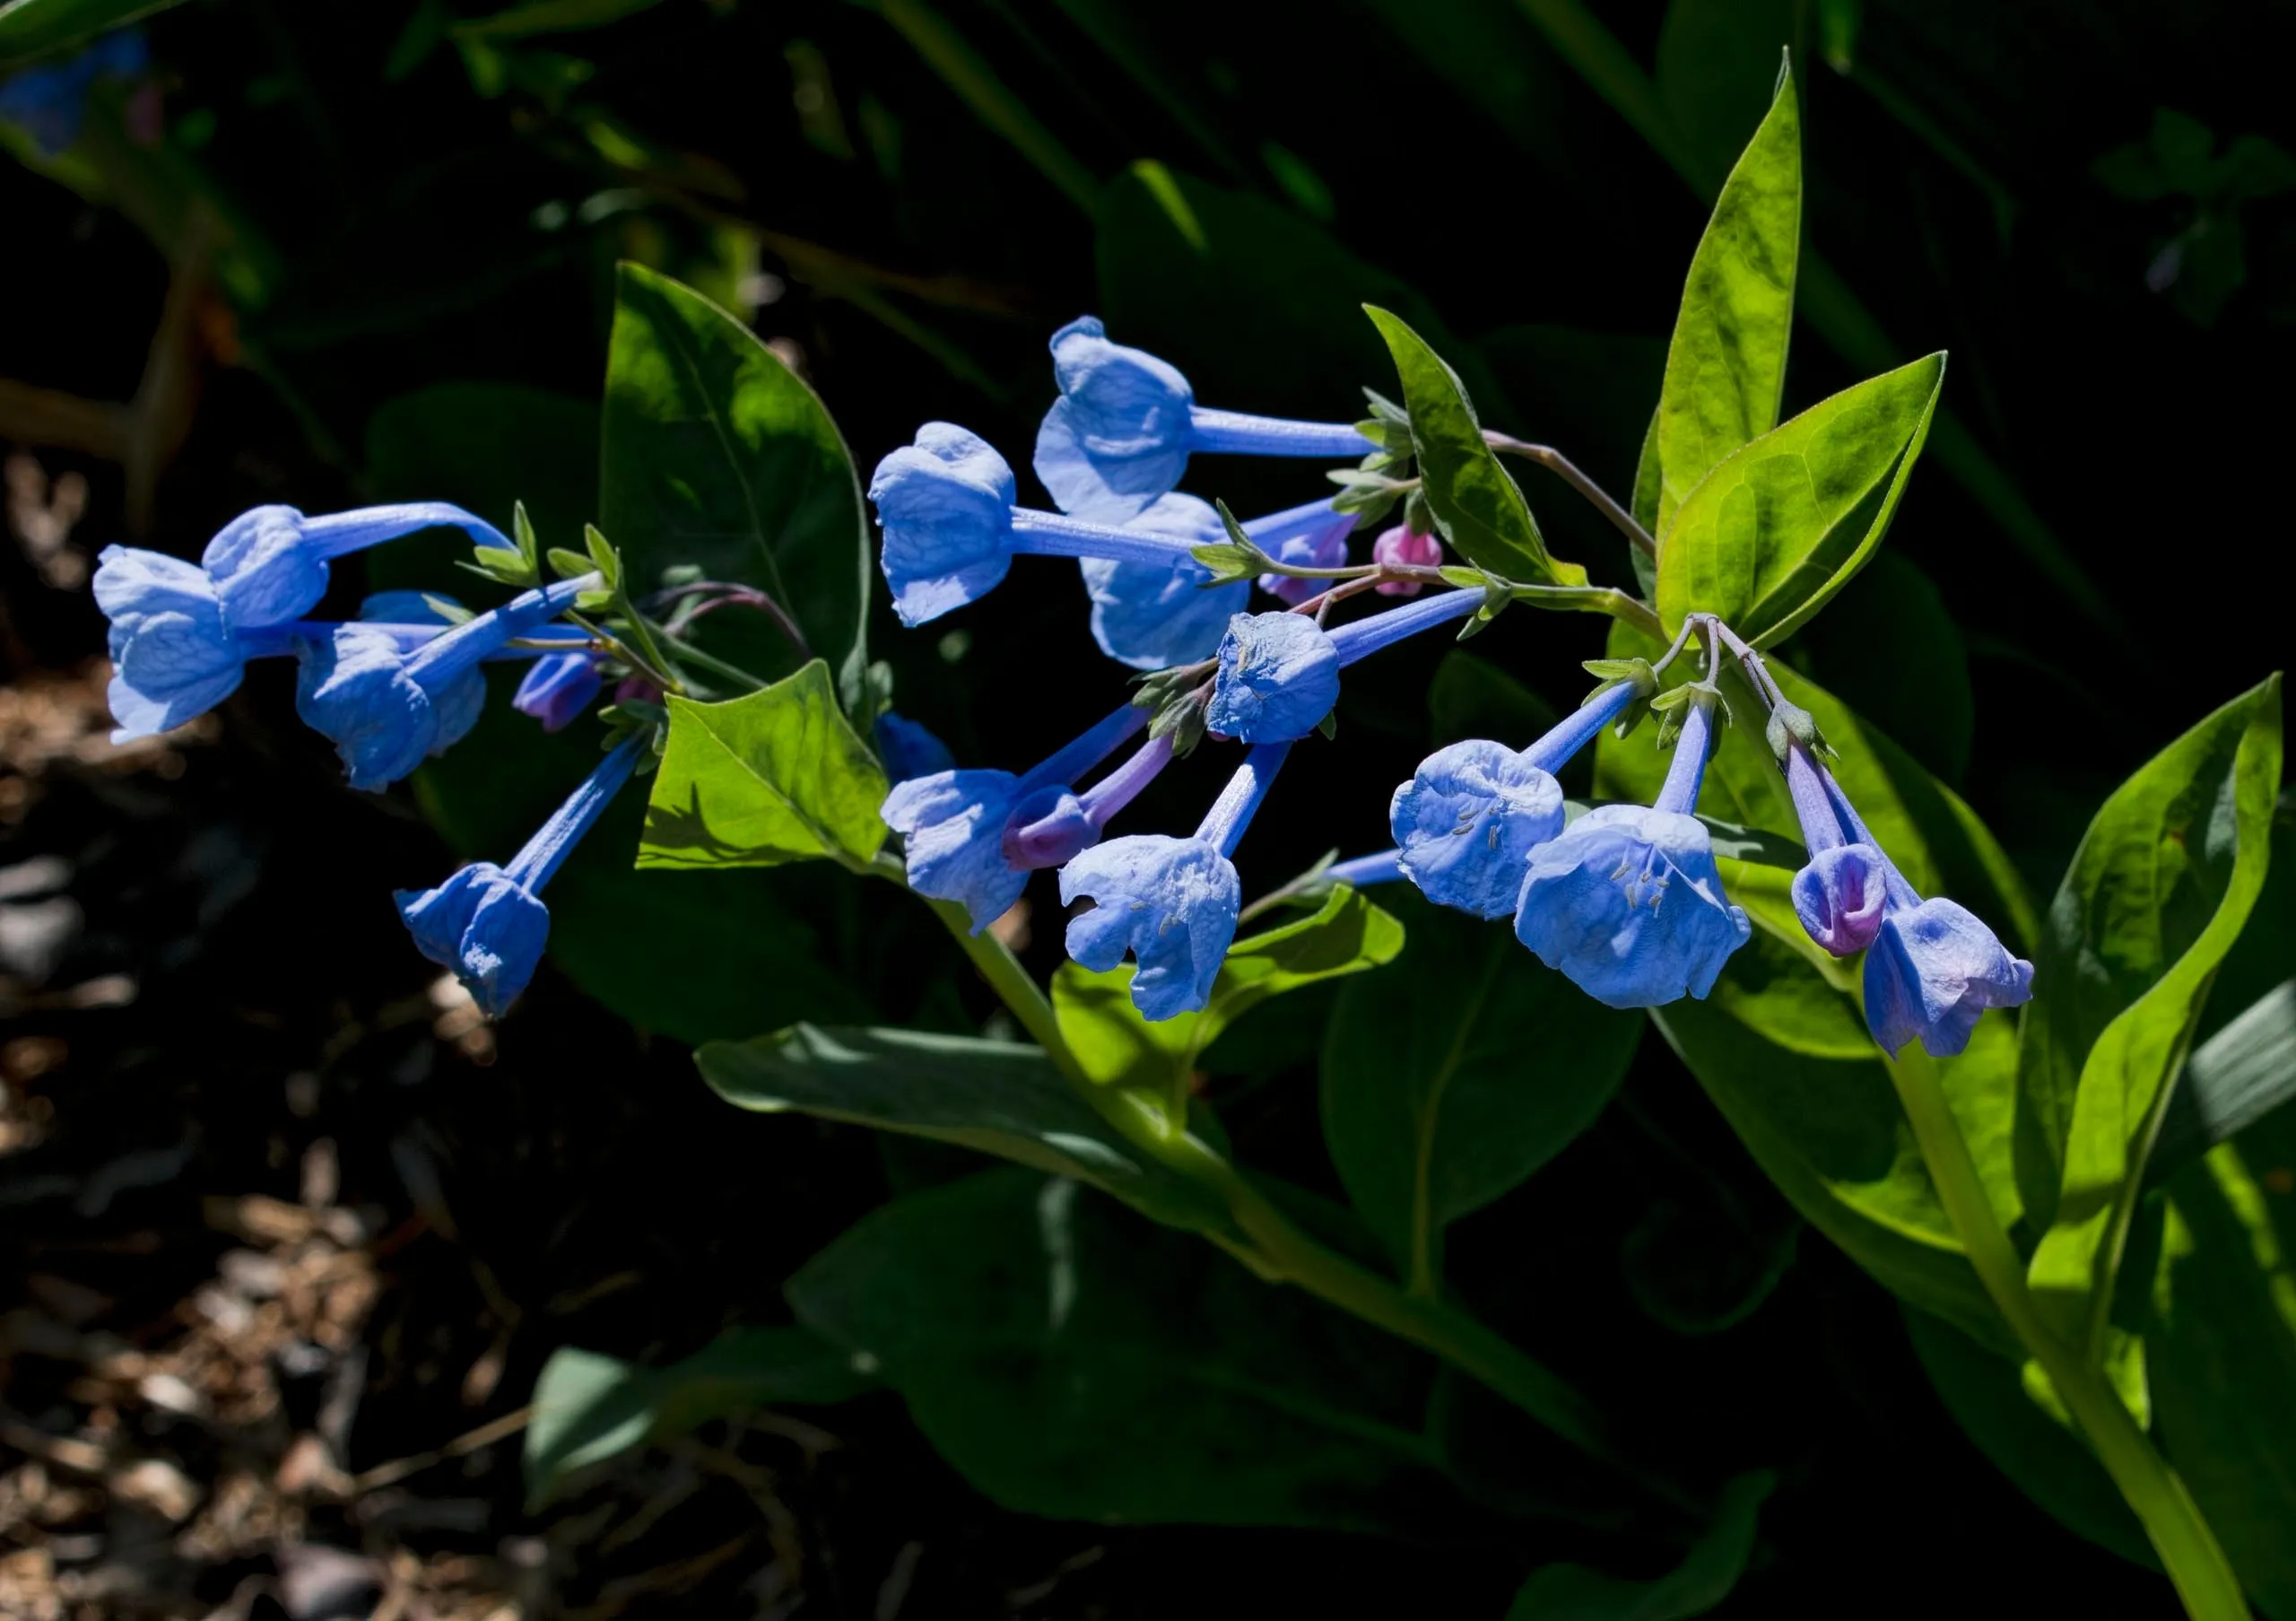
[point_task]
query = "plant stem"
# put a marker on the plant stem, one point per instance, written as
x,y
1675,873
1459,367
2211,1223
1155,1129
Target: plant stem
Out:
x,y
1556,462
1593,599
2188,1549
693,655
1278,1249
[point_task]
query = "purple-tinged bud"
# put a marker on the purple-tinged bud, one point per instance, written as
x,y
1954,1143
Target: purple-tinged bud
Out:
x,y
1399,547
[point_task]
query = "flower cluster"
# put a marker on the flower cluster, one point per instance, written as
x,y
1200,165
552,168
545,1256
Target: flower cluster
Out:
x,y
1625,900
400,682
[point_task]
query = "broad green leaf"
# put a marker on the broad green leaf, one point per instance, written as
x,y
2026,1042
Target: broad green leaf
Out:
x,y
1572,1592
1477,506
2222,1350
715,454
1987,1397
1725,366
699,957
1118,1048
1072,1361
2157,893
778,775
588,1406
1472,697
1004,1098
2235,1077
1452,1074
1781,1045
34,28
1785,520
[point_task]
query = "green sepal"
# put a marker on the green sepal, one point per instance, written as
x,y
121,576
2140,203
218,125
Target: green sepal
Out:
x,y
449,609
607,561
567,564
496,562
1790,723
1386,409
1329,725
1182,720
522,530
1459,574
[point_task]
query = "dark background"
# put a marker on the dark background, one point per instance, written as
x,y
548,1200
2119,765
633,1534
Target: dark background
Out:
x,y
2120,299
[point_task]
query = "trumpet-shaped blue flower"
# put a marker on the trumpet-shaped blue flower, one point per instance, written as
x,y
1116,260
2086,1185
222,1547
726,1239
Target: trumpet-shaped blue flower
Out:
x,y
1279,671
181,634
1470,816
909,749
1150,617
1626,900
1126,422
954,822
1933,967
950,530
1840,895
1171,903
384,707
488,923
558,688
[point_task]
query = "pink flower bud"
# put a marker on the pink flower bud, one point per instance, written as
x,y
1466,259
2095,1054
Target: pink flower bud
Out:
x,y
1399,545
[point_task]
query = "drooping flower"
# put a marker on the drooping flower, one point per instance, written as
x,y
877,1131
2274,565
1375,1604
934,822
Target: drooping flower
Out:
x,y
1399,547
1170,903
1840,895
558,688
181,634
1472,813
950,530
386,706
51,103
1626,900
488,923
909,749
1152,616
954,822
1279,671
1126,422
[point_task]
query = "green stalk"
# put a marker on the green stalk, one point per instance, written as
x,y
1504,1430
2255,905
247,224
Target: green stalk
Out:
x,y
687,653
2203,1578
1280,1251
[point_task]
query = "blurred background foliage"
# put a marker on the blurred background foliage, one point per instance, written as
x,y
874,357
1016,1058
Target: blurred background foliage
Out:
x,y
322,255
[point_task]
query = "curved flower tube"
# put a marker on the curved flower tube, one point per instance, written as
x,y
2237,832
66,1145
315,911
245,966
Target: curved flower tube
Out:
x,y
1626,900
1126,422
1170,903
488,923
558,688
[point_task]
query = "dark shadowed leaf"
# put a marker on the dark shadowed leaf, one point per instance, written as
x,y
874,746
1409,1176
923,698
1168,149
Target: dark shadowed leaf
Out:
x,y
34,28
1572,1592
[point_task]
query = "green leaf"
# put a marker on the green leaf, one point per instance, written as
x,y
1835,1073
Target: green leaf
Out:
x,y
1073,1362
1452,1074
775,776
1477,505
698,957
565,564
1785,520
588,1406
1000,1097
1987,1397
34,28
1472,697
2234,1078
2159,891
2221,1350
1781,1045
536,17
713,452
1726,367
1345,935
1572,1592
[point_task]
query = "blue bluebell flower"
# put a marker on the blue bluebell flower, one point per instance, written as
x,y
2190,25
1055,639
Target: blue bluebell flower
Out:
x,y
1126,422
1472,813
954,822
1170,903
1626,900
1279,671
1151,615
909,749
950,530
181,634
1841,893
386,706
51,103
558,688
488,923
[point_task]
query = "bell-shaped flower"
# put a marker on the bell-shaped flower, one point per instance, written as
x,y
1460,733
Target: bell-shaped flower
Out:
x,y
384,707
1279,671
1399,547
1151,615
558,688
1170,903
909,749
488,923
954,822
1469,818
950,530
1841,893
1126,422
1313,537
1933,967
181,634
1626,900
